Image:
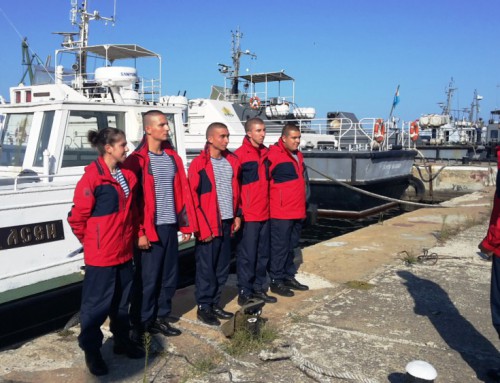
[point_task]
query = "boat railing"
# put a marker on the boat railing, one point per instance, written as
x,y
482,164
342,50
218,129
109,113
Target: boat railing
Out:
x,y
148,89
35,178
347,134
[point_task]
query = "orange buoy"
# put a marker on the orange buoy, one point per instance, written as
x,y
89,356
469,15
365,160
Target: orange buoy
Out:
x,y
379,130
255,102
414,130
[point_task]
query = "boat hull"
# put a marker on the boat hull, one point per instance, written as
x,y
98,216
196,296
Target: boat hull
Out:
x,y
382,173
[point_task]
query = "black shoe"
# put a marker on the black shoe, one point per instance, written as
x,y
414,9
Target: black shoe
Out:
x,y
244,298
295,284
280,289
96,365
161,326
206,315
262,295
131,349
220,313
494,374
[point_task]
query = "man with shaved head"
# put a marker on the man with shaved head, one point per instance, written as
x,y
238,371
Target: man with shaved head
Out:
x,y
213,180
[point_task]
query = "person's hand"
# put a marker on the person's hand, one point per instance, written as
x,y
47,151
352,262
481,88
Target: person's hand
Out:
x,y
143,243
185,237
483,250
208,239
237,224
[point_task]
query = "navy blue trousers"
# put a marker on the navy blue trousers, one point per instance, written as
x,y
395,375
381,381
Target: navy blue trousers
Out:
x,y
155,279
495,293
105,293
212,267
253,257
285,236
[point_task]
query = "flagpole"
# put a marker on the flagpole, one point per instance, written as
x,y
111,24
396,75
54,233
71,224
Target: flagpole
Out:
x,y
394,102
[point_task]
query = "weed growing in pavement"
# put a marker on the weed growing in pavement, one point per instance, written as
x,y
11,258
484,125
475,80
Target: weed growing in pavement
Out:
x,y
381,218
359,285
448,231
408,257
201,366
244,341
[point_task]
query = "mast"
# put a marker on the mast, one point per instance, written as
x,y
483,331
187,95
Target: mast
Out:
x,y
80,17
236,55
449,98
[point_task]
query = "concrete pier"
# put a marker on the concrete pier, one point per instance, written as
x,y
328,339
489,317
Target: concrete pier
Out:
x,y
367,315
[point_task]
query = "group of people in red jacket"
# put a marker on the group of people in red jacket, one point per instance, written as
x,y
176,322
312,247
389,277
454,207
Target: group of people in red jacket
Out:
x,y
127,213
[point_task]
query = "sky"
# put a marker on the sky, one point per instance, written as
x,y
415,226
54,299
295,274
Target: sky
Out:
x,y
345,55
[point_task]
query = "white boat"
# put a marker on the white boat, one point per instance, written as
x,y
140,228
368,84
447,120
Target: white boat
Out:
x,y
44,151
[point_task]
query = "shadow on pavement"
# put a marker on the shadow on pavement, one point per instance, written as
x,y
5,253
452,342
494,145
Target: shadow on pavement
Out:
x,y
459,334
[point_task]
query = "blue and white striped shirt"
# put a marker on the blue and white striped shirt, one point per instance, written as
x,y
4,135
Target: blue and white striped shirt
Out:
x,y
164,170
223,173
118,176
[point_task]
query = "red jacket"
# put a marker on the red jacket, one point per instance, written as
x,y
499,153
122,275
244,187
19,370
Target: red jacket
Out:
x,y
287,191
101,216
254,181
202,184
140,164
492,240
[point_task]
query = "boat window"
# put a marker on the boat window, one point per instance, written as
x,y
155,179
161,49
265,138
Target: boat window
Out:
x,y
14,138
171,125
43,140
77,150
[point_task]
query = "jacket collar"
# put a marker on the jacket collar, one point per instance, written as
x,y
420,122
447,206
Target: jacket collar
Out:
x,y
248,145
143,147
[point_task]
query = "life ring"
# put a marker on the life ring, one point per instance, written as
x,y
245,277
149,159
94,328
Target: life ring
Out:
x,y
255,102
414,130
379,130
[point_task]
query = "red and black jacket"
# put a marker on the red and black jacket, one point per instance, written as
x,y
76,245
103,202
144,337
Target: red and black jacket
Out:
x,y
492,240
140,164
254,180
202,183
102,218
287,188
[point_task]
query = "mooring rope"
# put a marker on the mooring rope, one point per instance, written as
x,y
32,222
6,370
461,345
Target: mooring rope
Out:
x,y
313,370
390,199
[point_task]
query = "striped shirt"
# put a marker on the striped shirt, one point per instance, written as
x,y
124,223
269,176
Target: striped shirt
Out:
x,y
223,173
118,176
163,173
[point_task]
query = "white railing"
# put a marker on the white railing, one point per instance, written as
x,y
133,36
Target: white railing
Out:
x,y
149,90
15,180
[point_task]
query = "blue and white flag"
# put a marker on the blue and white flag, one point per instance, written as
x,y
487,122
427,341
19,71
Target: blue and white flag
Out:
x,y
396,98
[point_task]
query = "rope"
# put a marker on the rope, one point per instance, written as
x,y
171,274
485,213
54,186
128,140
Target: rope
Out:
x,y
431,178
311,369
354,188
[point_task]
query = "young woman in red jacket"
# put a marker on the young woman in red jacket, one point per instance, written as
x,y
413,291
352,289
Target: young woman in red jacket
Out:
x,y
101,218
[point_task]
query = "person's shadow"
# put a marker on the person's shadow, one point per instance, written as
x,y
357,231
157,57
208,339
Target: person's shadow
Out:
x,y
458,333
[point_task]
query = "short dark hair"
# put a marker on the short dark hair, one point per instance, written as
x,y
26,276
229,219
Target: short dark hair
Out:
x,y
108,136
212,126
150,113
251,122
289,127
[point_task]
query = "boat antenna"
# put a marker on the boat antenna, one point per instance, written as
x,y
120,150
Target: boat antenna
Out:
x,y
81,17
449,97
236,55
